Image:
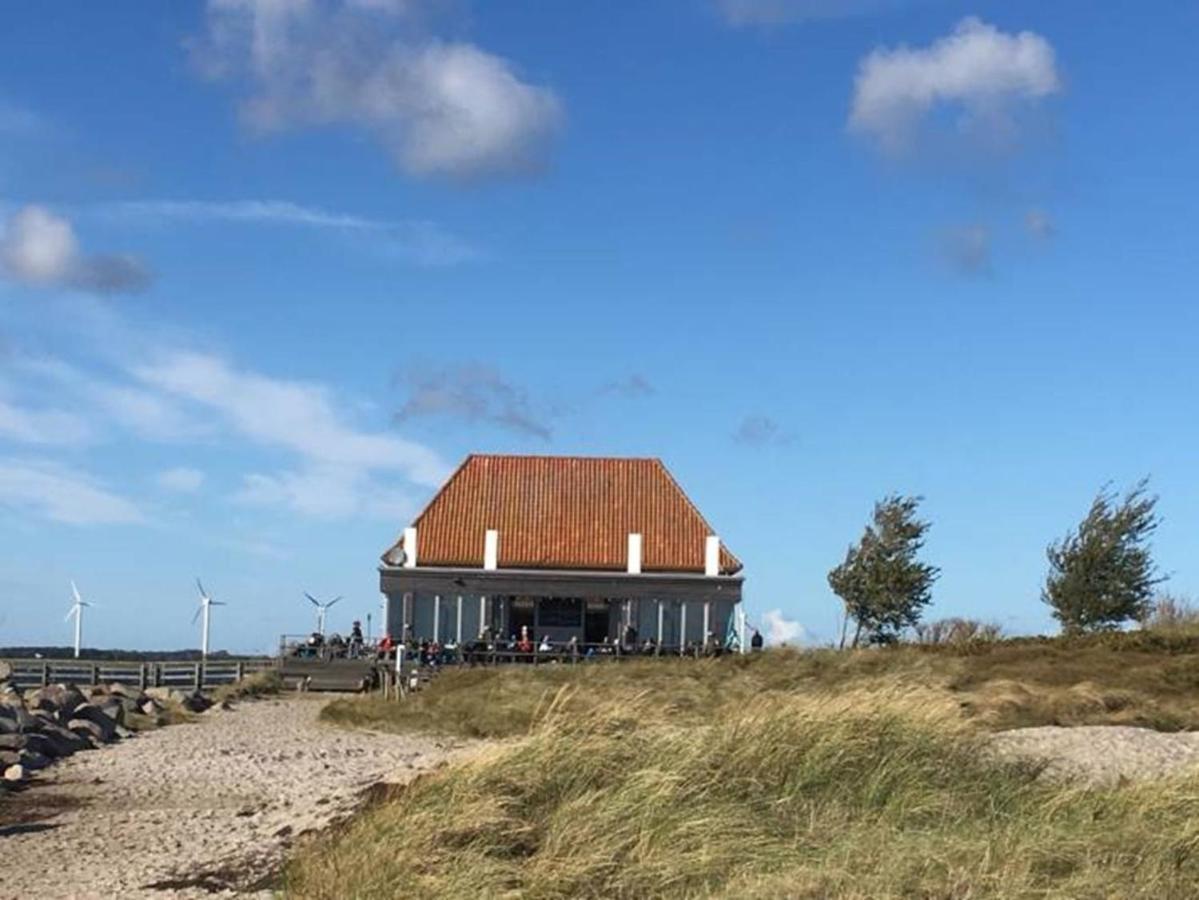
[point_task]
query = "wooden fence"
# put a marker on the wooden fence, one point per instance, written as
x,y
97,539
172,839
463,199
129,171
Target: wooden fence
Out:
x,y
31,673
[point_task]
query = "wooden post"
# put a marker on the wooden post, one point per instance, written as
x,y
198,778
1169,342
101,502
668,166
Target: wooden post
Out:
x,y
95,674
198,676
141,677
241,670
45,674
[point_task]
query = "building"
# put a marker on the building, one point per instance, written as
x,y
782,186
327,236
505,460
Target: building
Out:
x,y
568,547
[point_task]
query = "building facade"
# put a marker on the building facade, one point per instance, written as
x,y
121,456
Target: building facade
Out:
x,y
563,547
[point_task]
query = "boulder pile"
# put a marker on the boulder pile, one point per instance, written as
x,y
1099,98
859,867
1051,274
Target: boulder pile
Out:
x,y
52,722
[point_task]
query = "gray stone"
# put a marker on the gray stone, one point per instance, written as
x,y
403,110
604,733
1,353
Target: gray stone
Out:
x,y
90,713
89,731
113,708
13,741
32,760
5,671
9,758
64,741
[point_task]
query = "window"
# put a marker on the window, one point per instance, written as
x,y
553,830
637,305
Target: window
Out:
x,y
560,612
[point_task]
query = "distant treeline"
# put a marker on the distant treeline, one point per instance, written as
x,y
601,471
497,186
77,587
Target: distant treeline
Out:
x,y
133,655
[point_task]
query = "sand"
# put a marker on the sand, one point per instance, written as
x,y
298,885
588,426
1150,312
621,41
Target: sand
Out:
x,y
197,810
1102,755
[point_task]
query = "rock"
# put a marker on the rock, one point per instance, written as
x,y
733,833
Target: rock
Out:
x,y
117,689
192,701
5,671
15,773
114,709
91,713
63,741
32,760
9,758
59,698
26,721
150,707
161,694
43,744
88,731
13,741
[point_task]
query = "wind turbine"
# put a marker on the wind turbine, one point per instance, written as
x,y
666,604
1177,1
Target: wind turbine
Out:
x,y
321,610
205,608
76,610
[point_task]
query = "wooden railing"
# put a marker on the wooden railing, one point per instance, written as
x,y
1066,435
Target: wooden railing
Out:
x,y
185,675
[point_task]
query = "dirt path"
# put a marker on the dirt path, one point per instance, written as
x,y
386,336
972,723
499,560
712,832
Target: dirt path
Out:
x,y
196,810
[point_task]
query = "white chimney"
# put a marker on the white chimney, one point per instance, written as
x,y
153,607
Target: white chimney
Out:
x,y
410,547
491,549
711,555
634,554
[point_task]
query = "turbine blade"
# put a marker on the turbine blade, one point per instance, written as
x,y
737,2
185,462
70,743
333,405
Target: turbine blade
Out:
x,y
331,602
196,615
203,593
311,599
75,591
70,612
217,603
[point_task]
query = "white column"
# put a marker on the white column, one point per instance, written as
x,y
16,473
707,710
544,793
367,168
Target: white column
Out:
x,y
491,549
634,555
661,622
707,621
410,547
406,616
712,556
458,628
482,614
437,618
682,627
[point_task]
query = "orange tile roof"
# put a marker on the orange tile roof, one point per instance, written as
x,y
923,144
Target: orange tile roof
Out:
x,y
563,512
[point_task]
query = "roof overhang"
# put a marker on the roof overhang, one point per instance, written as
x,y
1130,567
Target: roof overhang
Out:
x,y
560,583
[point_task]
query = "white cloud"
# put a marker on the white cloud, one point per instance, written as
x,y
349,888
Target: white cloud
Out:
x,y
35,426
779,629
326,491
60,494
419,241
978,68
40,248
442,109
181,480
294,415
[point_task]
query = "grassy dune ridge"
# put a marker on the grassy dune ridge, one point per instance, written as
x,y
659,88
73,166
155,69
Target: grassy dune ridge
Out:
x,y
799,775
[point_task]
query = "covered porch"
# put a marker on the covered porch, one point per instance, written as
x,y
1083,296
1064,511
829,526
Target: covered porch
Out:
x,y
594,609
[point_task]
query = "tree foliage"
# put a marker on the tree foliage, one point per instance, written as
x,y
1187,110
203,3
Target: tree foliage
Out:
x,y
1102,575
882,583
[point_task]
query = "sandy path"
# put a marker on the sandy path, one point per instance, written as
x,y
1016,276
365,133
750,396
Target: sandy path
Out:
x,y
193,808
1103,754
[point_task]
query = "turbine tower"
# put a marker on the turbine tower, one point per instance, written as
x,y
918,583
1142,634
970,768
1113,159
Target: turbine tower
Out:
x,y
321,610
205,609
76,610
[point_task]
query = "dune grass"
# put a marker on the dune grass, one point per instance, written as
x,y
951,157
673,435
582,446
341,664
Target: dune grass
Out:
x,y
1140,678
264,683
860,791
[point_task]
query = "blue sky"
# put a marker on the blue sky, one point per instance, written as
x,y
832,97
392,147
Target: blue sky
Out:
x,y
269,268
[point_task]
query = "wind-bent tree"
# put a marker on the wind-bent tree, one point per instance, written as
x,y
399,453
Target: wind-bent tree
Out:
x,y
882,583
1102,575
